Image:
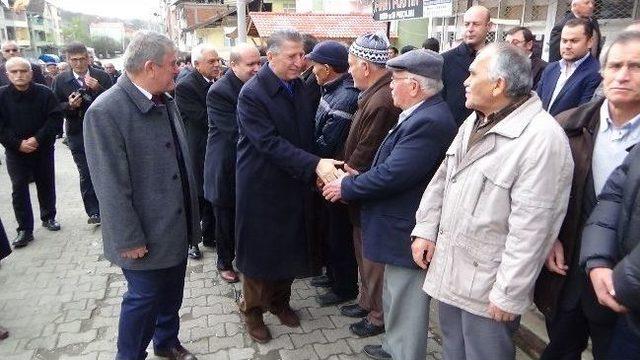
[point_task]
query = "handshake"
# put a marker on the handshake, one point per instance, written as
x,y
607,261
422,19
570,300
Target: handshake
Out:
x,y
330,176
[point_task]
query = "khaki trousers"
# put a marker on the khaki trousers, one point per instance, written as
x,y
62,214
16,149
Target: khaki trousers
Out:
x,y
371,282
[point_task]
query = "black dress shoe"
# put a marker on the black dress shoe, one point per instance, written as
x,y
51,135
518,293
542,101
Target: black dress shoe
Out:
x,y
22,239
376,352
332,298
194,252
51,225
354,311
175,353
321,281
94,219
364,328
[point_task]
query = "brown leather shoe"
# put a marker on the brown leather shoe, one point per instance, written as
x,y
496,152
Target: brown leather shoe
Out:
x,y
256,328
177,352
229,276
288,317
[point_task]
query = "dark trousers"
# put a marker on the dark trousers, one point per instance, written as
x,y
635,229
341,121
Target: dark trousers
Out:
x,y
259,296
225,236
21,167
569,332
371,281
342,267
625,343
150,310
76,145
207,222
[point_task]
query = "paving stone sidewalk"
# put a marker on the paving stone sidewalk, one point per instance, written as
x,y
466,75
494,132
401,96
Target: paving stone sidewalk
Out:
x,y
60,298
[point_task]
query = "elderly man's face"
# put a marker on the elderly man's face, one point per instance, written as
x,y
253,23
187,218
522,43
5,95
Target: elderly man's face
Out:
x,y
10,50
19,74
79,62
248,65
287,63
358,71
574,43
518,40
109,68
164,73
52,69
621,74
404,89
478,86
582,8
209,65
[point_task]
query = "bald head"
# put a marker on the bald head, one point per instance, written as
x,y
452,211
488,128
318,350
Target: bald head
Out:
x,y
245,61
582,8
477,23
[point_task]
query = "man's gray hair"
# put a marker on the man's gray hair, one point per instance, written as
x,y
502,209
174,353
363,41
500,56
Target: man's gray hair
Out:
x,y
511,64
236,52
275,41
428,85
17,60
199,50
9,42
146,46
624,38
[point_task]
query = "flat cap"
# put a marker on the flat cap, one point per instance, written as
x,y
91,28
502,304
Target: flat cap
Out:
x,y
422,62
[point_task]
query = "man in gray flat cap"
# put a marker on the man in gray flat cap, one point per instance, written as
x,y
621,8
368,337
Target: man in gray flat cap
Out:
x,y
389,193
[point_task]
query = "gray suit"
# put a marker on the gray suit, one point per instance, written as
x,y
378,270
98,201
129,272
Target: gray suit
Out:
x,y
137,177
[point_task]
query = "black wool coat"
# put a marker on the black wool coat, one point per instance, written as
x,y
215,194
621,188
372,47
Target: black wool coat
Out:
x,y
191,98
274,178
455,71
220,157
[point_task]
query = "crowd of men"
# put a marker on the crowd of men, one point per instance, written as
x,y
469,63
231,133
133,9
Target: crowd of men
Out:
x,y
482,177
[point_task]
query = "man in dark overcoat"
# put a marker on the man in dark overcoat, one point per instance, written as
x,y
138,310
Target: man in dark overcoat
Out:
x,y
191,97
220,158
139,160
477,23
274,180
76,89
11,49
580,9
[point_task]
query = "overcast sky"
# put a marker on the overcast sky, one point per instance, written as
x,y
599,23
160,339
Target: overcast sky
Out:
x,y
124,9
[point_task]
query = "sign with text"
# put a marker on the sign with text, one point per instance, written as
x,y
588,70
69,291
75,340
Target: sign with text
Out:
x,y
437,8
387,10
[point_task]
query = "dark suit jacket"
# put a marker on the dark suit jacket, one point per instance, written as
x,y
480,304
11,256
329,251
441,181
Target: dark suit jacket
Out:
x,y
391,190
38,77
578,89
64,84
191,97
220,158
132,157
455,71
275,171
554,37
537,67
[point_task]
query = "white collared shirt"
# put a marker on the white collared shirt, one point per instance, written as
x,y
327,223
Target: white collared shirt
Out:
x,y
80,78
611,145
566,70
144,92
406,113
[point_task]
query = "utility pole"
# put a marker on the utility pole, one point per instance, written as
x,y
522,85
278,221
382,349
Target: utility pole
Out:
x,y
242,21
